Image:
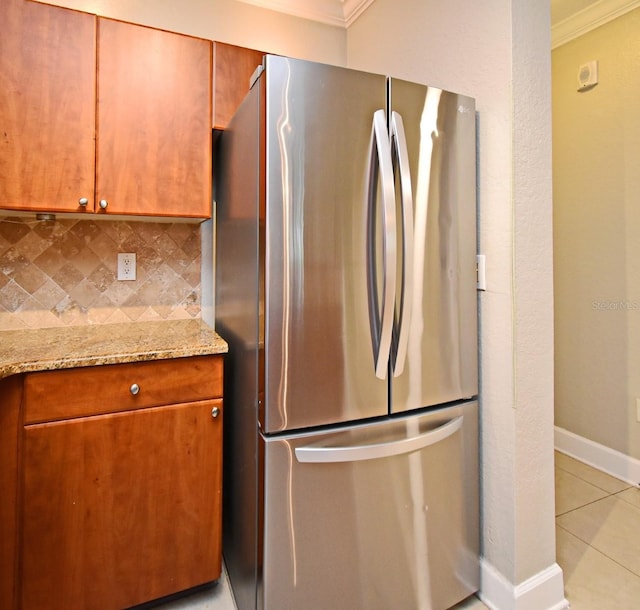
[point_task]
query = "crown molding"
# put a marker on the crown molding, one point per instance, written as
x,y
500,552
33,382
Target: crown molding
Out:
x,y
589,18
340,13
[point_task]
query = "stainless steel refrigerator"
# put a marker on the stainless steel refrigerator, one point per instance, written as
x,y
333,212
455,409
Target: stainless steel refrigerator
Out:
x,y
346,289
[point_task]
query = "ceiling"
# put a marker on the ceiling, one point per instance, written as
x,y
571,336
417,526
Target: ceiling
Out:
x,y
569,18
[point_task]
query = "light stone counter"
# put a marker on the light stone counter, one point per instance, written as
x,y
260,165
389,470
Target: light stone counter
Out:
x,y
23,351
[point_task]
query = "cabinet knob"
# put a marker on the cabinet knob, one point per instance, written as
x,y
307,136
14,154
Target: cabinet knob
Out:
x,y
215,412
83,201
134,389
104,203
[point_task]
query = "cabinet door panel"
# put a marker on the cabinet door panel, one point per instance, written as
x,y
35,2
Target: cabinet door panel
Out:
x,y
47,107
120,509
11,398
154,135
232,70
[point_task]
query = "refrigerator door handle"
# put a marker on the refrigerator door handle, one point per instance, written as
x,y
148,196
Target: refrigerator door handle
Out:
x,y
381,318
323,454
399,142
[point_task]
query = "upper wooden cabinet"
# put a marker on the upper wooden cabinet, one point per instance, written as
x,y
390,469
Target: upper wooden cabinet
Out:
x,y
136,138
153,131
47,107
232,70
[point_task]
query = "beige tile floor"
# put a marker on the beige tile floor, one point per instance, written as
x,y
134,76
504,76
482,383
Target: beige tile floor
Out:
x,y
597,537
219,597
597,540
215,597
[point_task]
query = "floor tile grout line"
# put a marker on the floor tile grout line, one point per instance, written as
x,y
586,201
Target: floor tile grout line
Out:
x,y
629,485
624,499
609,495
597,550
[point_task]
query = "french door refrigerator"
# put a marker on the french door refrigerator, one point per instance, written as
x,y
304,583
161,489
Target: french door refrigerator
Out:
x,y
346,289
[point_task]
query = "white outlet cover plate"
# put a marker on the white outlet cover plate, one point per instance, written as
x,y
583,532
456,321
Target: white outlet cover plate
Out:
x,y
126,266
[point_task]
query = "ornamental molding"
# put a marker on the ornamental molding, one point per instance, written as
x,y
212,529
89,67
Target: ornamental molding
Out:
x,y
588,19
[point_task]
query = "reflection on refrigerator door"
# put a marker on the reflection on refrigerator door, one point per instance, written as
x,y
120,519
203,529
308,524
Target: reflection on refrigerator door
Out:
x,y
374,516
350,481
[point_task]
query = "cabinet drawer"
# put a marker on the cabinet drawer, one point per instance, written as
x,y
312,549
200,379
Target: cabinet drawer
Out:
x,y
78,392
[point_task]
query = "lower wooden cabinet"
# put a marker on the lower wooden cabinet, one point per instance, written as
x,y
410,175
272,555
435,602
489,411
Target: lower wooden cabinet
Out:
x,y
10,426
120,507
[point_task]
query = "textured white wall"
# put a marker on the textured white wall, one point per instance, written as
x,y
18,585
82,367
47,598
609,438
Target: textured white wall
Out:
x,y
498,51
533,288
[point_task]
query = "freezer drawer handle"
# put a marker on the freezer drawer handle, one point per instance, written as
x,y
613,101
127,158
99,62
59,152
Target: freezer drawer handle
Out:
x,y
332,454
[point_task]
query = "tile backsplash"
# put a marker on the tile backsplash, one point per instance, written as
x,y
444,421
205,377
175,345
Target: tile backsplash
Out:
x,y
63,272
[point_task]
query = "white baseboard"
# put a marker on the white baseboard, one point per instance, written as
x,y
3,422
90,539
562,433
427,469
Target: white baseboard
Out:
x,y
543,591
603,458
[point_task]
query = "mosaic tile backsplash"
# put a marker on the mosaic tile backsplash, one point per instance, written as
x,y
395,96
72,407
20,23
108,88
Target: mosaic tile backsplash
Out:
x,y
63,272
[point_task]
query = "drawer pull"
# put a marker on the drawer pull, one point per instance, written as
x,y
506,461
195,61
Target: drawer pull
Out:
x,y
215,412
134,389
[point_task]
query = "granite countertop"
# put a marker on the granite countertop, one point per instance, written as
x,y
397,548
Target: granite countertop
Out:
x,y
47,349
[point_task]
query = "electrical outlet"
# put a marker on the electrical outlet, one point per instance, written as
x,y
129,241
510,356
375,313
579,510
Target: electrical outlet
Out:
x,y
126,266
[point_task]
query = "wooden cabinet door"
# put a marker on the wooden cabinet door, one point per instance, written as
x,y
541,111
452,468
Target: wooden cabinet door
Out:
x,y
47,107
122,508
232,70
10,401
154,135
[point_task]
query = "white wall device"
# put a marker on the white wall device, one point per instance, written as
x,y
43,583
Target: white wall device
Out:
x,y
588,75
126,266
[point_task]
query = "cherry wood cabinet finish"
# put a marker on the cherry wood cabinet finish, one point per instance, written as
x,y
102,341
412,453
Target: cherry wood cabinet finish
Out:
x,y
153,135
10,424
47,107
122,508
232,70
142,143
115,508
93,390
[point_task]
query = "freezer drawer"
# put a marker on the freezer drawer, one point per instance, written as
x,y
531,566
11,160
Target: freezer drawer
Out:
x,y
373,516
